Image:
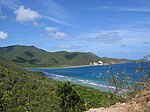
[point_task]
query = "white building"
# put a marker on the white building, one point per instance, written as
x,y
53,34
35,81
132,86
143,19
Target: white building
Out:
x,y
100,63
97,63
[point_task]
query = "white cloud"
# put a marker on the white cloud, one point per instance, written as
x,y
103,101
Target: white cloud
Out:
x,y
3,35
52,8
51,29
129,37
26,14
106,37
58,21
2,16
142,2
128,9
59,35
70,47
134,9
55,33
35,24
11,4
64,46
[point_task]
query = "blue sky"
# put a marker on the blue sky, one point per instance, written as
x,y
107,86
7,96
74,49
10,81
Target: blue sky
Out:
x,y
112,28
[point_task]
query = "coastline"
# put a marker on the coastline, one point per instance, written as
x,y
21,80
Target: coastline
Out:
x,y
82,81
77,66
85,83
59,67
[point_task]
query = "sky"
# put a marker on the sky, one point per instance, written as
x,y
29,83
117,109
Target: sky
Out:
x,y
107,28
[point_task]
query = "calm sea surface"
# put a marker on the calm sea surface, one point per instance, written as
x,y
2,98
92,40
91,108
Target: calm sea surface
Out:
x,y
88,76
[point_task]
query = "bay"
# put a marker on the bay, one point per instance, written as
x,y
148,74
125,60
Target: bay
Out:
x,y
89,75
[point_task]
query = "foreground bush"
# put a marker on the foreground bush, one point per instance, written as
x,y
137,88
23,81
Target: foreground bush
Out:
x,y
70,100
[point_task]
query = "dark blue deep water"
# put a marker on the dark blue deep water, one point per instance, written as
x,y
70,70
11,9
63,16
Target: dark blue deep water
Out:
x,y
88,75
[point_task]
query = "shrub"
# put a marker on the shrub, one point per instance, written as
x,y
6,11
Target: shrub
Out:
x,y
70,100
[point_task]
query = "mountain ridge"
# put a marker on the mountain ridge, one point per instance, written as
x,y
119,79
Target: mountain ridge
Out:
x,y
32,56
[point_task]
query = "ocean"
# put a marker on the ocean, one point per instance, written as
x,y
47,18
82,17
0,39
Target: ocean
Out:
x,y
89,75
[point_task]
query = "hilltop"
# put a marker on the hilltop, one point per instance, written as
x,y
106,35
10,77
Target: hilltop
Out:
x,y
33,56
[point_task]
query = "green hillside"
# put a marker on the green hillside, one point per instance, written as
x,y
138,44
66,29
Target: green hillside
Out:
x,y
116,60
26,91
32,56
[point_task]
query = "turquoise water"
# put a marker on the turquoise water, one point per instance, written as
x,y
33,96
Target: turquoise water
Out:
x,y
88,75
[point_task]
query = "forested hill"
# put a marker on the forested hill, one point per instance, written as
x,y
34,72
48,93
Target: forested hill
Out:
x,y
32,56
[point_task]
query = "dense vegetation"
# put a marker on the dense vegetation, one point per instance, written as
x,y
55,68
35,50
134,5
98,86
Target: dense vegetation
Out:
x,y
22,90
32,56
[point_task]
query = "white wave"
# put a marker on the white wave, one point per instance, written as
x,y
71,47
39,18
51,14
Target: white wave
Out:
x,y
95,84
46,73
82,81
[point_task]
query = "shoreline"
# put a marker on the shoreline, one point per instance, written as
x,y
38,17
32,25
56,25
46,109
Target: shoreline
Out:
x,y
78,66
85,83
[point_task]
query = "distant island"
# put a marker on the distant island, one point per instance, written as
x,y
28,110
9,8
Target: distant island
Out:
x,y
31,56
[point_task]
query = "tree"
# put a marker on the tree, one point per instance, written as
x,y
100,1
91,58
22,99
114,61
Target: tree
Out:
x,y
70,100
